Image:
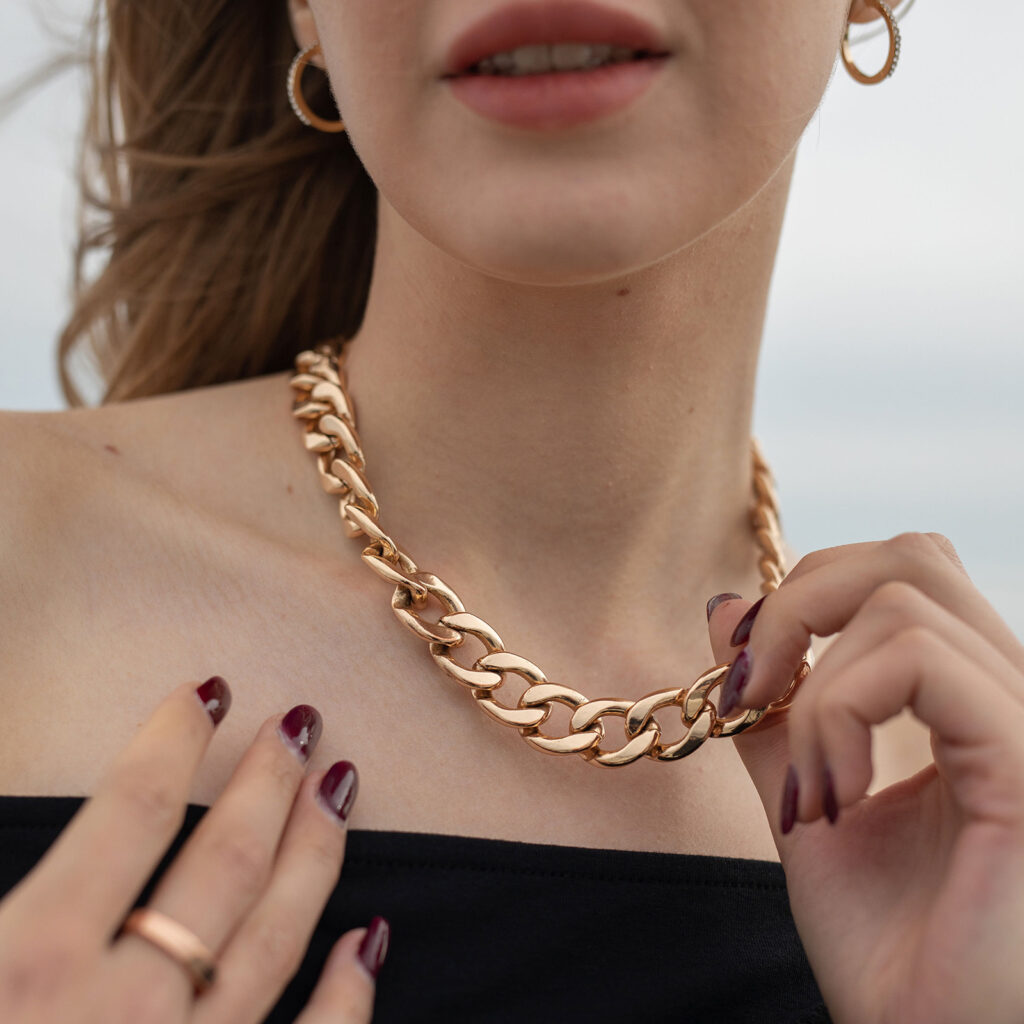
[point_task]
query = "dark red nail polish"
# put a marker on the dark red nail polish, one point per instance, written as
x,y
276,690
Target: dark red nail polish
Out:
x,y
301,727
374,946
338,788
742,630
216,697
735,681
790,795
829,804
717,600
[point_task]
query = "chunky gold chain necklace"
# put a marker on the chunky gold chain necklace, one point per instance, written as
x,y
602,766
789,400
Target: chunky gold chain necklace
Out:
x,y
323,404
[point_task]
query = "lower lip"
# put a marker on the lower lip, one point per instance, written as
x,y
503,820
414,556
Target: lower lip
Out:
x,y
556,99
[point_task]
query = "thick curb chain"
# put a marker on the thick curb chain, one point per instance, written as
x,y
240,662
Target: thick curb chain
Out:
x,y
323,404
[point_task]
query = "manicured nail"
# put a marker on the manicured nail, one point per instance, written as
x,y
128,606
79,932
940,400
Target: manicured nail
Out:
x,y
374,946
742,630
301,729
790,794
216,697
717,600
338,788
735,681
829,804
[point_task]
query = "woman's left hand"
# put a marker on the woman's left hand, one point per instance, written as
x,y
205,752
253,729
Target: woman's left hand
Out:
x,y
910,906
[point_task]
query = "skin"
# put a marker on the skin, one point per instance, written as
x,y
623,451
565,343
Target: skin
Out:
x,y
504,314
59,927
918,887
533,305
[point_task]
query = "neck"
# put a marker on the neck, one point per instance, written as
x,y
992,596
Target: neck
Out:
x,y
575,456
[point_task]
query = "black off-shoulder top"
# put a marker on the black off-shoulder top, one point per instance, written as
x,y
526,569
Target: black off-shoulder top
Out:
x,y
496,931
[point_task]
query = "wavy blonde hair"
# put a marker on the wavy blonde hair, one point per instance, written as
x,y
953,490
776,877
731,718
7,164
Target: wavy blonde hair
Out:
x,y
231,235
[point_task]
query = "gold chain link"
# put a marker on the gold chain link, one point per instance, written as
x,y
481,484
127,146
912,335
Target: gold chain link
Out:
x,y
324,405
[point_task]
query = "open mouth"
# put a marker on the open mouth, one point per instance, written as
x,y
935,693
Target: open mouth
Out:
x,y
544,58
558,35
550,65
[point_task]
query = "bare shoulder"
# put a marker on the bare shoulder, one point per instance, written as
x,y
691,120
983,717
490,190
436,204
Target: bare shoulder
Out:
x,y
205,449
52,467
106,487
53,479
32,462
109,485
46,480
148,542
23,444
20,475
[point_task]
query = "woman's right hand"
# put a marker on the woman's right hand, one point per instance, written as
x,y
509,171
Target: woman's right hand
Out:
x,y
251,882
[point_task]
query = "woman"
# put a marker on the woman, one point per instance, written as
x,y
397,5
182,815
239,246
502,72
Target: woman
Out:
x,y
552,353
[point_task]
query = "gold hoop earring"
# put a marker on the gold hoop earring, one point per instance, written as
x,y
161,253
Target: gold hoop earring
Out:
x,y
894,46
298,101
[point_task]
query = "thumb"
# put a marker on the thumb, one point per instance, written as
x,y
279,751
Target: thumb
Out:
x,y
764,747
724,614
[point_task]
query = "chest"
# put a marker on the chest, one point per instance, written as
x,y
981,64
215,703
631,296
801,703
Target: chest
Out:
x,y
110,644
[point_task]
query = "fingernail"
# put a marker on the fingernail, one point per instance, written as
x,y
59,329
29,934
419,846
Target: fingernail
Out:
x,y
790,794
829,804
338,788
742,630
735,681
715,601
216,697
374,946
301,729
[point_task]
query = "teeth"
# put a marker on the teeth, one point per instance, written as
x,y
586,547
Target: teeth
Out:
x,y
566,56
505,62
539,58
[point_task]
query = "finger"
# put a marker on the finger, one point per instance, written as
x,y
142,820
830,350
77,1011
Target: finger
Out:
x,y
977,723
134,814
226,864
815,559
922,558
723,619
763,748
895,606
823,601
726,618
270,944
891,609
345,991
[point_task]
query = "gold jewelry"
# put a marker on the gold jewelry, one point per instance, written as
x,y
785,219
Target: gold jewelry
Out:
x,y
298,101
324,405
894,46
177,942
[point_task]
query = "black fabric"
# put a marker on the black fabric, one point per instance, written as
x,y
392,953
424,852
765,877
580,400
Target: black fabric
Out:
x,y
495,931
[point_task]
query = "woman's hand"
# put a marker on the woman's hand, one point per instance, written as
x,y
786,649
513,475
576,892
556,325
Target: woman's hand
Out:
x,y
251,883
911,905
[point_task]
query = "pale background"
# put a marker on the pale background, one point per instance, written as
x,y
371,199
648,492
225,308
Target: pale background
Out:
x,y
893,361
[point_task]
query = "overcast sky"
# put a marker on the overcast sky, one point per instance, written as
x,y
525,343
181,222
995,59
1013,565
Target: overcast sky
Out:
x,y
890,390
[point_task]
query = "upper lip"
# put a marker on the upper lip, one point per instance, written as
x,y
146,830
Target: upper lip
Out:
x,y
566,21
